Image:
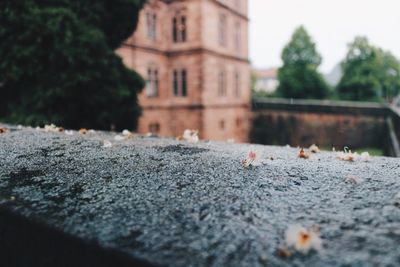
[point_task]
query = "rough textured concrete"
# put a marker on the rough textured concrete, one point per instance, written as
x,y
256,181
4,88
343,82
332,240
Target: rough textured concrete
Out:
x,y
178,204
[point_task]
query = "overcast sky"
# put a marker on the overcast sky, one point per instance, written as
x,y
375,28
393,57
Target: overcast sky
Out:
x,y
332,24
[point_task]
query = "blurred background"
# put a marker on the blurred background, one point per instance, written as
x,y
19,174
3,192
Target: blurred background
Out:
x,y
268,72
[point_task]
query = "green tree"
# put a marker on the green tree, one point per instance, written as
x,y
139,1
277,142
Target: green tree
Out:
x,y
299,77
58,63
369,73
389,76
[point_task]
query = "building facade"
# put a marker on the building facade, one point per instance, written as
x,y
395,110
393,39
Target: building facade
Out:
x,y
193,55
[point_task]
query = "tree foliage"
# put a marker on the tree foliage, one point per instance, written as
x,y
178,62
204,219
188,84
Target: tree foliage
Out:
x,y
58,63
369,73
299,77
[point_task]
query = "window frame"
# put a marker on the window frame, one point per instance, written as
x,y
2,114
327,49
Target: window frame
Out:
x,y
151,25
222,82
180,82
222,29
152,82
179,28
237,82
237,36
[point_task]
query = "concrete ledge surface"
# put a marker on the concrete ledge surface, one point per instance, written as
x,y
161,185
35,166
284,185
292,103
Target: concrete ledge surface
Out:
x,y
158,201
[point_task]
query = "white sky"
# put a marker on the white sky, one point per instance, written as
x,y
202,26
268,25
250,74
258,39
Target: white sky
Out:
x,y
331,23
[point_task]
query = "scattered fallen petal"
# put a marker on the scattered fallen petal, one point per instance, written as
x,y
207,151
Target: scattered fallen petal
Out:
x,y
252,155
126,132
19,127
3,130
150,134
303,154
303,240
51,128
365,156
82,131
353,179
250,159
314,148
119,137
191,136
347,155
246,163
91,131
107,144
69,132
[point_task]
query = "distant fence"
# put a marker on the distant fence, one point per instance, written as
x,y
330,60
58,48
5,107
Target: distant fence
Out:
x,y
328,123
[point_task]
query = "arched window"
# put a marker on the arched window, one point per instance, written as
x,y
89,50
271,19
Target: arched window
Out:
x,y
151,25
179,28
154,128
179,82
222,124
222,29
237,36
236,83
222,83
152,82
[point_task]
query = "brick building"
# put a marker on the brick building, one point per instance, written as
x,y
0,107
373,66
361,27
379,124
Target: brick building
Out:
x,y
193,55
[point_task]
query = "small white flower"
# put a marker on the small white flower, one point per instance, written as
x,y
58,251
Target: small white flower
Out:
x,y
52,128
365,156
191,136
126,132
119,137
19,127
347,155
314,148
194,139
107,144
303,240
91,131
69,132
251,159
187,134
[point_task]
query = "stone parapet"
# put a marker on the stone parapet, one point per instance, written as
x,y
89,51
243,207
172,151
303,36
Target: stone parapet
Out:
x,y
69,201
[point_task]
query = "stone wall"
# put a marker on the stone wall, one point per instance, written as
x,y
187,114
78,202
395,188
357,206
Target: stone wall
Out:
x,y
302,123
66,200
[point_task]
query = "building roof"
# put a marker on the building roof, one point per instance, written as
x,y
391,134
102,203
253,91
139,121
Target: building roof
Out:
x,y
266,73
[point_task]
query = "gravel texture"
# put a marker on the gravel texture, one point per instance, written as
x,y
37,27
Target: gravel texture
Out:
x,y
179,204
